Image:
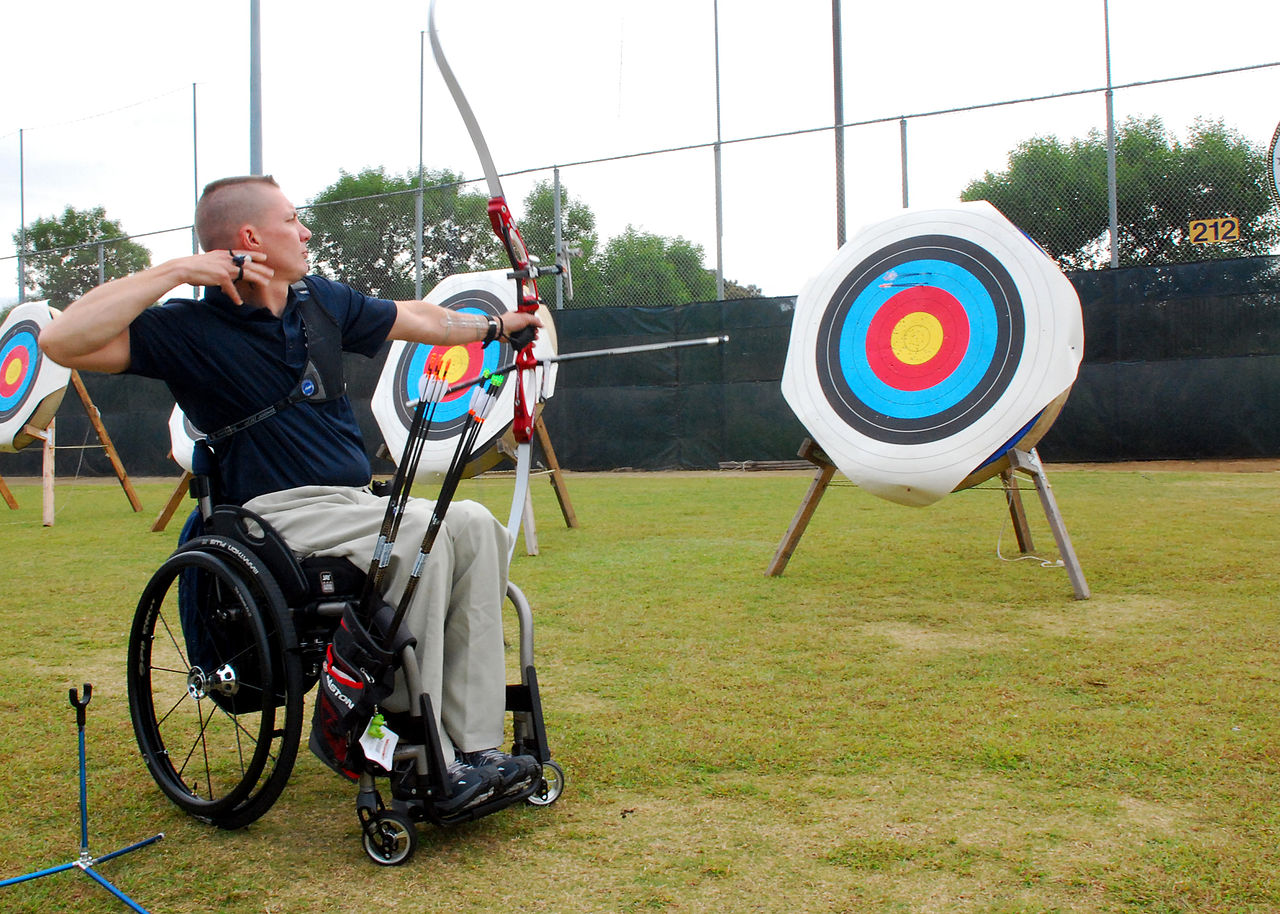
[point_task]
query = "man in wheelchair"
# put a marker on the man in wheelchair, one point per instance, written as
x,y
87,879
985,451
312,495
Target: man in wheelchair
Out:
x,y
250,360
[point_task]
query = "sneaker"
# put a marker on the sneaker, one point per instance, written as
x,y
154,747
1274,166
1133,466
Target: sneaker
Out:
x,y
468,785
515,772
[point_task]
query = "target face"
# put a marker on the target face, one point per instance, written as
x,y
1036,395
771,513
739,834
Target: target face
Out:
x,y
926,346
31,386
1274,158
394,400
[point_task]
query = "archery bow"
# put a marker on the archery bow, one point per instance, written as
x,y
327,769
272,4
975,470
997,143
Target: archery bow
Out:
x,y
523,271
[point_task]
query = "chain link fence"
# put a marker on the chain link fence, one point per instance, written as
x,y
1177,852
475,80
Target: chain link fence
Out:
x,y
1199,192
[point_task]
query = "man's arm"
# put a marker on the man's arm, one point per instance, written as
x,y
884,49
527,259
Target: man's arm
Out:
x,y
92,334
425,322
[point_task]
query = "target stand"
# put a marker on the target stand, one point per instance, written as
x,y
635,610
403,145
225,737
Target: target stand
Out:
x,y
1024,462
47,436
557,484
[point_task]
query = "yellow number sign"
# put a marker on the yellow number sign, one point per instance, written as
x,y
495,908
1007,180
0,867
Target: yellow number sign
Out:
x,y
1215,231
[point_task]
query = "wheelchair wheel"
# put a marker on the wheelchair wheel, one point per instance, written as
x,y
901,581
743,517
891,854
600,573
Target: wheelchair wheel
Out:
x,y
390,838
551,788
214,692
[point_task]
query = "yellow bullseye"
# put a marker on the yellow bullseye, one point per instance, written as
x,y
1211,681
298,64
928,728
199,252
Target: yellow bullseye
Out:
x,y
917,338
12,372
456,361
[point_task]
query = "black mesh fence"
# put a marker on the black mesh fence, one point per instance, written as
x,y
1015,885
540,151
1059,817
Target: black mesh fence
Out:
x,y
1181,361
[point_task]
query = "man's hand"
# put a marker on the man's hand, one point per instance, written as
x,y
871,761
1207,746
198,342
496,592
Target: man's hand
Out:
x,y
520,328
230,271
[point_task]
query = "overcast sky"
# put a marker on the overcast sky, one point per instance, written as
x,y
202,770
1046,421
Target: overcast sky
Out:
x,y
103,95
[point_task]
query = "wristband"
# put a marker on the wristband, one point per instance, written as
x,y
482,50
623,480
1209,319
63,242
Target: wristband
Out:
x,y
492,332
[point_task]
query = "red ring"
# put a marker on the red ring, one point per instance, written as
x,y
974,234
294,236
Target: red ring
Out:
x,y
941,305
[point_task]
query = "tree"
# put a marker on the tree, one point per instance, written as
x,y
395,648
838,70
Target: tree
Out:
x,y
1058,194
365,232
66,256
640,268
578,233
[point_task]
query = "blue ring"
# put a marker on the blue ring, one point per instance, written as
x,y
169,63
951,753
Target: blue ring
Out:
x,y
915,404
27,340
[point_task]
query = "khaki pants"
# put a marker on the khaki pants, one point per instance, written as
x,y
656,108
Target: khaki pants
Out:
x,y
456,609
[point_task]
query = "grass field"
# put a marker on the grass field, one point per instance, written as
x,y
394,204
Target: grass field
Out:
x,y
901,722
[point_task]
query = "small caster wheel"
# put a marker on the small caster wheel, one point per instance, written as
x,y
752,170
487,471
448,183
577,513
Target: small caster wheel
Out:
x,y
552,785
390,839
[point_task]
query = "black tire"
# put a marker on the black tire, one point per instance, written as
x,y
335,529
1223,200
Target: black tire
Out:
x,y
216,703
393,841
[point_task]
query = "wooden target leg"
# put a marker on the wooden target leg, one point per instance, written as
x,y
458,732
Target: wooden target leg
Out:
x,y
1029,463
1017,513
826,470
557,478
171,506
7,495
47,475
96,419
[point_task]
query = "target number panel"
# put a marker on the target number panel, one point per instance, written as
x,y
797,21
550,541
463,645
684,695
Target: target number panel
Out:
x,y
31,385
929,345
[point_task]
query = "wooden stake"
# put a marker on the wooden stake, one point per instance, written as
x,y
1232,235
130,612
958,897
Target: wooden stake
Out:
x,y
810,451
96,419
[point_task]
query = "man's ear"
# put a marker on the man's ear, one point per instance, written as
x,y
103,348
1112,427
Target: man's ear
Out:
x,y
248,239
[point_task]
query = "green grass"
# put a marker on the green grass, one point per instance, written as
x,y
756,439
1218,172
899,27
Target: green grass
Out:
x,y
901,722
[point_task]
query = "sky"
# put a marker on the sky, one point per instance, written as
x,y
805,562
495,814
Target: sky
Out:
x,y
103,96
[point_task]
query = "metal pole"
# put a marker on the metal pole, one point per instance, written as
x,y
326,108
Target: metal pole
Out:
x,y
837,69
22,222
417,203
195,174
902,133
1113,206
255,87
718,168
558,233
102,263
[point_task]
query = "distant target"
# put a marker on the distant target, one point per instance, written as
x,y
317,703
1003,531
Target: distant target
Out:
x,y
1273,157
31,386
920,339
488,293
932,343
464,362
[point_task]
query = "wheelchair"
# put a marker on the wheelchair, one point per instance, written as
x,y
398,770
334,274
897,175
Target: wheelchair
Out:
x,y
230,634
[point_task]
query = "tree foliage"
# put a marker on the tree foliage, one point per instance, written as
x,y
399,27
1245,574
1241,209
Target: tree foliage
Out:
x,y
1057,193
61,258
365,229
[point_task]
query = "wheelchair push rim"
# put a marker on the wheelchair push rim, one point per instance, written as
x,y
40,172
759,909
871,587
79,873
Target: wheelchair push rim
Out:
x,y
205,704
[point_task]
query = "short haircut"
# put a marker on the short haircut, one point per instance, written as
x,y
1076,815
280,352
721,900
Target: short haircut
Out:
x,y
225,206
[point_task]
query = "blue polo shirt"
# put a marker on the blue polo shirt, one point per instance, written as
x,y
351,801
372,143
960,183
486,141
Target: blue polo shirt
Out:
x,y
224,362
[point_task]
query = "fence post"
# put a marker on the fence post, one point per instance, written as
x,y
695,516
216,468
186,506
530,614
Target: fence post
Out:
x,y
22,223
559,232
902,132
1113,225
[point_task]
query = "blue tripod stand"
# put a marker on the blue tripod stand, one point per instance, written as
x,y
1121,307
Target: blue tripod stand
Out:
x,y
87,861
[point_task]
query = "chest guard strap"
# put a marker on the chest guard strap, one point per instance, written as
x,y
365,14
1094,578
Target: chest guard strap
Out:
x,y
321,380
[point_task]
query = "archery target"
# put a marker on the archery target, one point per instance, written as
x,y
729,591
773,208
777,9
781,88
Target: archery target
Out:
x,y
933,343
1273,158
31,386
489,293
